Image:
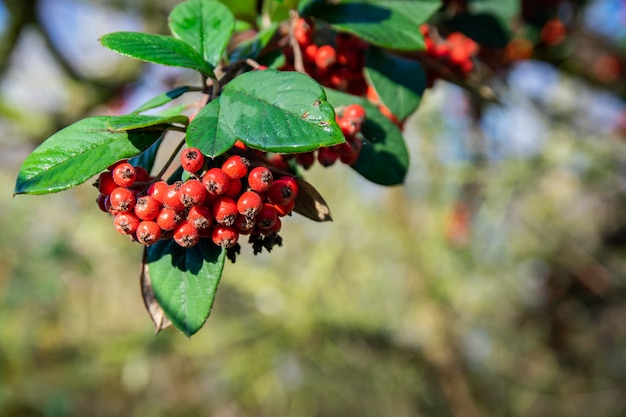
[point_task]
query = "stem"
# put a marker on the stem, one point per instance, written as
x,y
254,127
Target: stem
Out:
x,y
170,160
298,63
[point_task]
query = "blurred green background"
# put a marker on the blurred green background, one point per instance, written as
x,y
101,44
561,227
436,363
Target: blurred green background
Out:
x,y
491,284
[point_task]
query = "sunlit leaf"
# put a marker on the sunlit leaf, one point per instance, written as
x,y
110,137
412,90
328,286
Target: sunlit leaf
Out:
x,y
278,111
184,281
158,49
206,25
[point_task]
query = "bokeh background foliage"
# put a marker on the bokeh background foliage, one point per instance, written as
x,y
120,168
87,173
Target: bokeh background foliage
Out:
x,y
491,284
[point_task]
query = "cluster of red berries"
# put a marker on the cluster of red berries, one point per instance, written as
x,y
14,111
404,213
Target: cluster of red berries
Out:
x,y
220,203
339,65
350,122
456,51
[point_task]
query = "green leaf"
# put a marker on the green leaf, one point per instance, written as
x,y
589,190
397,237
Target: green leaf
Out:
x,y
146,158
185,281
384,158
162,99
143,121
206,25
390,24
399,82
158,49
74,154
284,112
251,48
208,132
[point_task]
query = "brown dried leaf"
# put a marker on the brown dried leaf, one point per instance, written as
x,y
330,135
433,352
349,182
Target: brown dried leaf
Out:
x,y
310,203
155,311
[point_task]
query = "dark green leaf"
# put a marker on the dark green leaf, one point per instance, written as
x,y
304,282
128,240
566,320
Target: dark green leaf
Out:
x,y
162,99
384,158
252,47
276,111
159,49
242,9
146,158
80,151
399,82
208,133
143,121
391,24
184,281
206,25
485,29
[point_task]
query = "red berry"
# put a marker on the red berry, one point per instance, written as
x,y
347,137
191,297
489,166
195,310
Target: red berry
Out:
x,y
305,160
354,113
216,181
244,225
236,167
303,32
192,159
285,209
292,182
267,217
102,204
234,188
122,200
225,210
168,219
192,193
225,236
105,183
260,179
249,204
147,208
281,192
200,216
186,234
349,151
275,228
171,198
142,175
310,52
326,56
112,166
348,127
327,156
148,232
124,174
126,223
157,190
